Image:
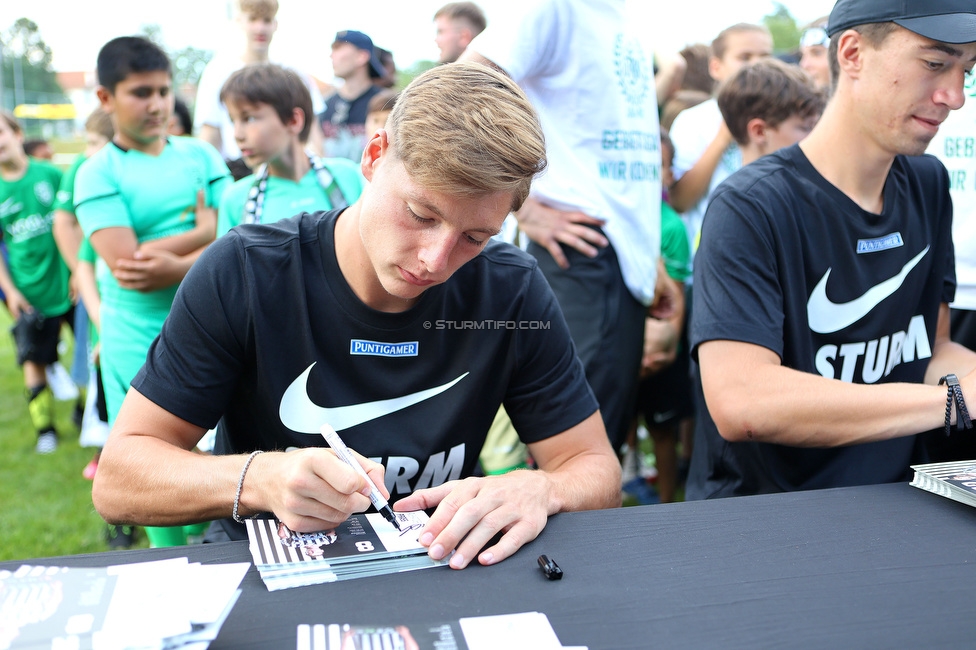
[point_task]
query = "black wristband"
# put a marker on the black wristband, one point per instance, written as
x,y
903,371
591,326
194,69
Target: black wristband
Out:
x,y
954,396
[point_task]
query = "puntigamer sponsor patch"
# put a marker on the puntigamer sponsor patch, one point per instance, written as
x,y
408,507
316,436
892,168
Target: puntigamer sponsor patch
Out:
x,y
379,349
893,240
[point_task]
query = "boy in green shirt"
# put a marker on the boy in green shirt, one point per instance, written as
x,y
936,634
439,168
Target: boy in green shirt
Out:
x,y
271,110
145,202
34,279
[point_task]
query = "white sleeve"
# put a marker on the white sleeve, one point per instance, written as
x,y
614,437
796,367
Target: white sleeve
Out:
x,y
527,42
318,104
208,109
689,141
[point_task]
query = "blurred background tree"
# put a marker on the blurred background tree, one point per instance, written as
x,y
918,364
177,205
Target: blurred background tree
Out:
x,y
782,25
26,74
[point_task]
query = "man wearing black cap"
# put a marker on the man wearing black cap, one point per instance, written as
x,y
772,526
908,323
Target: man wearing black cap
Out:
x,y
821,318
354,60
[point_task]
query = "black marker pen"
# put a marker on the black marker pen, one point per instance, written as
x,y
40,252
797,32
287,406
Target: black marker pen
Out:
x,y
342,451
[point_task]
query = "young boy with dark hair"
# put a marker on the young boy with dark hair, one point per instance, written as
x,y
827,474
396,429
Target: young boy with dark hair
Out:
x,y
272,113
769,105
34,278
145,202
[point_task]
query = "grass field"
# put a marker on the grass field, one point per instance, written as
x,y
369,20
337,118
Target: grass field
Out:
x,y
47,508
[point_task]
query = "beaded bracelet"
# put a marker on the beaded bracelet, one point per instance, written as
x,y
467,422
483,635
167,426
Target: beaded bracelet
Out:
x,y
954,396
240,487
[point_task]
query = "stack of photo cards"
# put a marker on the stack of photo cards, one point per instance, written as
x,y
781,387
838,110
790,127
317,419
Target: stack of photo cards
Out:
x,y
955,480
169,605
513,631
364,545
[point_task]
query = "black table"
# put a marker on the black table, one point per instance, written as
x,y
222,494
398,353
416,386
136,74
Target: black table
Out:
x,y
879,566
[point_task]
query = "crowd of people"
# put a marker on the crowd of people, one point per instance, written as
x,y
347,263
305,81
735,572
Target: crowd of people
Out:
x,y
497,281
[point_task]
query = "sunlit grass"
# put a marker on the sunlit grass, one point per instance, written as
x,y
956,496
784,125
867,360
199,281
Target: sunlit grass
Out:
x,y
46,503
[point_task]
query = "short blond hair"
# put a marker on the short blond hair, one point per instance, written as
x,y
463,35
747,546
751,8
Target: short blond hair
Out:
x,y
468,129
267,9
100,122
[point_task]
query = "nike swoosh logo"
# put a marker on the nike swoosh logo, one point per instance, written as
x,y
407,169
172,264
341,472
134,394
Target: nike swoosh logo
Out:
x,y
663,417
826,317
299,413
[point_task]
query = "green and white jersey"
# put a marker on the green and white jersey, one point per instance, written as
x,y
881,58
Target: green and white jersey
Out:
x,y
66,192
285,198
26,218
674,244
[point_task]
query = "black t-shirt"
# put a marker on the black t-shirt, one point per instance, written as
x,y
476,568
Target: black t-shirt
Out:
x,y
788,262
266,336
343,124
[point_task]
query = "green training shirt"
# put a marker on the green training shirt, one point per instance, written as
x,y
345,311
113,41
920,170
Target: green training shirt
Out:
x,y
27,218
285,198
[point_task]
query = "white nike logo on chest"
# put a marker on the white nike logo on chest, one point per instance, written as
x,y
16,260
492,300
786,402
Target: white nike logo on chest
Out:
x,y
299,413
826,316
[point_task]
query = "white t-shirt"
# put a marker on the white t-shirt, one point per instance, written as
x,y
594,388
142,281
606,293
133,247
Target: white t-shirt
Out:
x,y
591,80
691,132
210,111
955,146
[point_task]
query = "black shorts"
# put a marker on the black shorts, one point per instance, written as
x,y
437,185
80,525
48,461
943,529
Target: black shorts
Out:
x,y
607,326
36,338
100,405
665,399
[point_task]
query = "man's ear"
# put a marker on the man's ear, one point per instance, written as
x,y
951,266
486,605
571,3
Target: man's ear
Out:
x,y
850,53
376,149
364,57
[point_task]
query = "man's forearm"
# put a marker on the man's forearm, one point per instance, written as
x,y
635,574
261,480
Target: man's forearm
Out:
x,y
949,357
145,481
587,482
767,402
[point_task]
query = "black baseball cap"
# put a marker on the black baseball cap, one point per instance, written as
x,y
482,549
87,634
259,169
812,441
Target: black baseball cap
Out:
x,y
363,42
948,21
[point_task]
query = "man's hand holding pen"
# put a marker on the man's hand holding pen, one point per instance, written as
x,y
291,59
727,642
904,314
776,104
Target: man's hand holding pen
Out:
x,y
310,489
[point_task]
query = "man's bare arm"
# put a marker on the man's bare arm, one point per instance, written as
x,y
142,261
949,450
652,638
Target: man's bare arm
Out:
x,y
752,397
148,475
